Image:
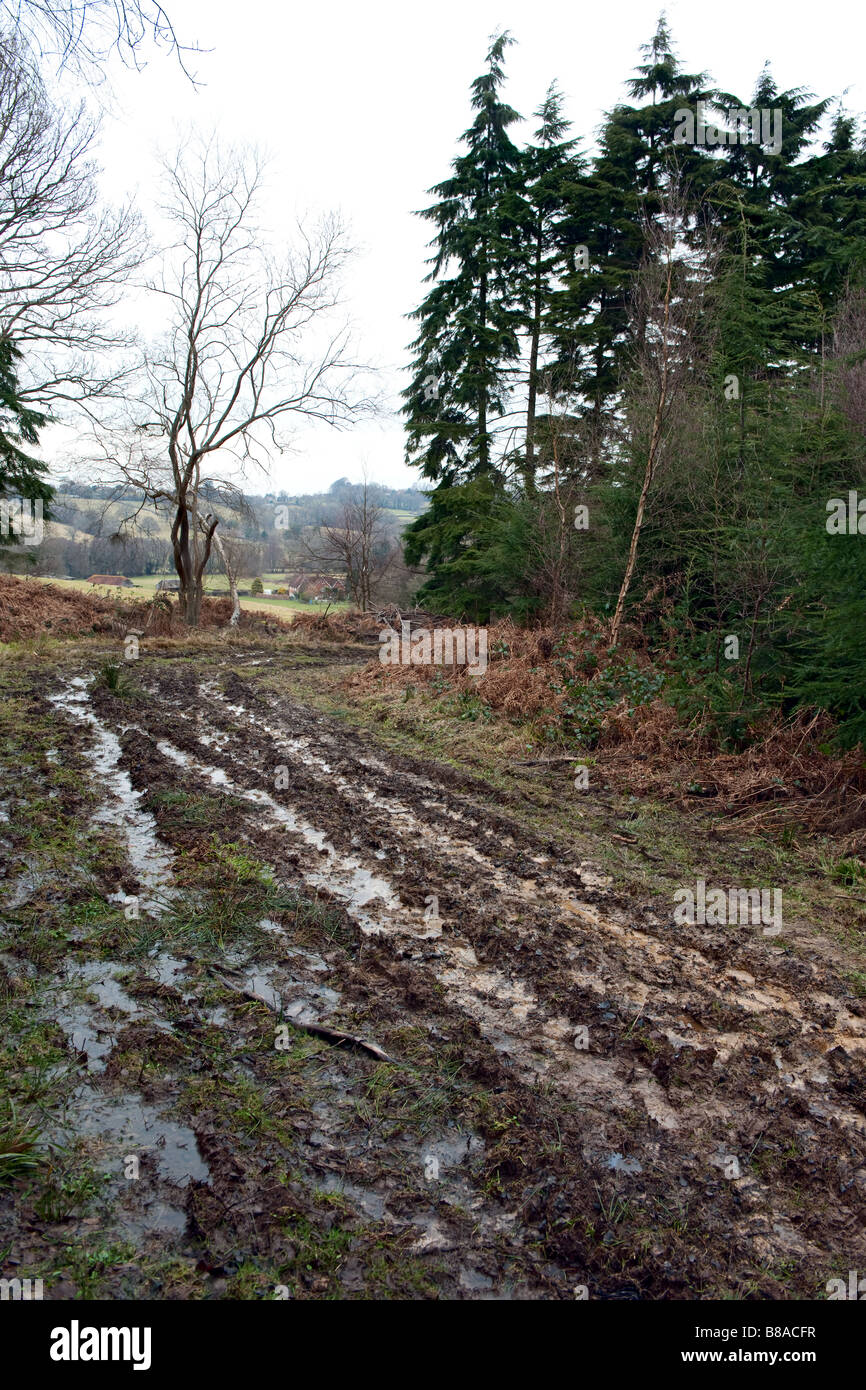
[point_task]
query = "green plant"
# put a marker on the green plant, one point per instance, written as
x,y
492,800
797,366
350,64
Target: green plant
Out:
x,y
19,1147
114,677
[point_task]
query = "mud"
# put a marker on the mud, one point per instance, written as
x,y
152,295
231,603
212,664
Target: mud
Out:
x,y
583,1091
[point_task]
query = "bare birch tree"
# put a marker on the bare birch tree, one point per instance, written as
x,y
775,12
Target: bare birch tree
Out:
x,y
360,544
667,304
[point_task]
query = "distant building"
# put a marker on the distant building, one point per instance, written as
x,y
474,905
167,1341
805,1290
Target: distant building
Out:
x,y
118,581
317,586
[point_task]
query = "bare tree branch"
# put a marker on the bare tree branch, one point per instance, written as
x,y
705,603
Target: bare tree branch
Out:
x,y
82,34
63,261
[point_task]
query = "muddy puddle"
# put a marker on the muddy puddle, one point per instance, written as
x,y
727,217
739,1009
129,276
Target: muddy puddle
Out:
x,y
92,1007
344,875
150,861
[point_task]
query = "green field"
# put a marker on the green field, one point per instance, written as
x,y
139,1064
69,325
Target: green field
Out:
x,y
145,588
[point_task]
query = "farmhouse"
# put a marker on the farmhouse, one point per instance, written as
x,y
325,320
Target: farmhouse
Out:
x,y
316,586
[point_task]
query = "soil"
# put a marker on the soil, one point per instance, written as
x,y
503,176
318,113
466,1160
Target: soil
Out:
x,y
238,901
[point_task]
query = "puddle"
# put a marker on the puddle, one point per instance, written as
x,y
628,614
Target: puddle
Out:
x,y
298,999
126,1126
152,864
77,1017
259,982
370,1202
166,969
448,1151
623,1165
25,887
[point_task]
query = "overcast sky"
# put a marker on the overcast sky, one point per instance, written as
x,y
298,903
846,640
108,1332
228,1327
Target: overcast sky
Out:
x,y
361,107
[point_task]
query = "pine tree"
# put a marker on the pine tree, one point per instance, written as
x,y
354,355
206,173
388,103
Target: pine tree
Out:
x,y
636,159
552,172
471,319
21,475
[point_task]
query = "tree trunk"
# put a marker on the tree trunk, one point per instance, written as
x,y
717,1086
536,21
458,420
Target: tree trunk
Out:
x,y
232,578
483,441
648,471
529,462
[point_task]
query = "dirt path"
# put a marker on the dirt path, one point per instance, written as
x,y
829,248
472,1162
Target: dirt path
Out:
x,y
581,1094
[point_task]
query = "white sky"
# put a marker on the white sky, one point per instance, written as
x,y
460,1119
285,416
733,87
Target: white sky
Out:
x,y
361,107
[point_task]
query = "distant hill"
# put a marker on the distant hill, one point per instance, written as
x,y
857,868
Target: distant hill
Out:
x,y
96,528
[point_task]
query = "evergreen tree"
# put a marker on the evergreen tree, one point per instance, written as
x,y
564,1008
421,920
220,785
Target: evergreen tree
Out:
x,y
553,172
470,320
636,158
21,475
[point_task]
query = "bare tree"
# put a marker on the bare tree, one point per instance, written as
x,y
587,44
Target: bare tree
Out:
x,y
233,555
361,545
667,306
250,348
82,34
63,261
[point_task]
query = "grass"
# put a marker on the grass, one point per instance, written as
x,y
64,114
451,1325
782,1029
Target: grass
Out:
x,y
114,677
20,1146
144,588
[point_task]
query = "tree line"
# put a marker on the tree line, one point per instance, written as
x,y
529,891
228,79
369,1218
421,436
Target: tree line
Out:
x,y
637,379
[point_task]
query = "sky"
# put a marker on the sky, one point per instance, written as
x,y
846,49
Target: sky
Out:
x,y
360,108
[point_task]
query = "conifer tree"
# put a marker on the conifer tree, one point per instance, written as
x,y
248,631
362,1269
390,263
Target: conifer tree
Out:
x,y
553,173
471,318
21,475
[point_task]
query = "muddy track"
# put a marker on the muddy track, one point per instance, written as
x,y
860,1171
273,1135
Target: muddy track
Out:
x,y
644,1108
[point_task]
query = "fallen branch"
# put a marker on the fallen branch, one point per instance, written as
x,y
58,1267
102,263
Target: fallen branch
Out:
x,y
318,1030
544,762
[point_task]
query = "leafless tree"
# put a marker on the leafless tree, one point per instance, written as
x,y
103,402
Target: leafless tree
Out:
x,y
82,34
63,261
250,348
359,543
233,556
668,302
848,357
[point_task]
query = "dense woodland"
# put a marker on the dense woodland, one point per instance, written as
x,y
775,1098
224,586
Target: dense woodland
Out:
x,y
638,384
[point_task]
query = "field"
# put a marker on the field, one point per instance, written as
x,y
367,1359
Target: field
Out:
x,y
314,986
145,587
